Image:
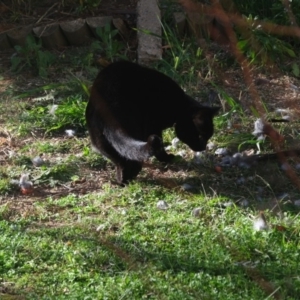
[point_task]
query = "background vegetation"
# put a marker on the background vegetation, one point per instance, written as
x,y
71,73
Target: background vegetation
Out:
x,y
201,228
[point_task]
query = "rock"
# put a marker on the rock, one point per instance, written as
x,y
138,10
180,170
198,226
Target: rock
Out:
x,y
244,203
122,28
70,132
163,205
76,32
51,36
187,187
175,142
260,223
38,161
149,31
97,22
210,145
221,151
297,203
196,212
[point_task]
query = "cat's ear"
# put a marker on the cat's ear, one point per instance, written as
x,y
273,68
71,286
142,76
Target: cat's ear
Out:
x,y
206,111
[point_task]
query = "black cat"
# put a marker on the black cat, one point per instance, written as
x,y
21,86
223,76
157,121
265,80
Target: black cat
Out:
x,y
131,105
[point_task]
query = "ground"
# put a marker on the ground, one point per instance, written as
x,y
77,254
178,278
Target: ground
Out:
x,y
54,232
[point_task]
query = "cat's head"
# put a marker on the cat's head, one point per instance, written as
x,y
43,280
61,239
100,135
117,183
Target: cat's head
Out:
x,y
197,127
203,121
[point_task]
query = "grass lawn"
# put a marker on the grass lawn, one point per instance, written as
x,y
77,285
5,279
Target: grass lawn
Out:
x,y
188,230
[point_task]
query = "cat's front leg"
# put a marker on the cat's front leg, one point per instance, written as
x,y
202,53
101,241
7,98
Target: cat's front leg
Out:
x,y
157,149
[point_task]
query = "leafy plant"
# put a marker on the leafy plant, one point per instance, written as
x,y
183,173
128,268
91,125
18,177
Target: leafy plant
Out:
x,y
87,5
269,47
108,44
61,172
32,56
94,160
68,113
6,186
273,11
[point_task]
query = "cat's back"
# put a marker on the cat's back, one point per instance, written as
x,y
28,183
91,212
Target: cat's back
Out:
x,y
128,82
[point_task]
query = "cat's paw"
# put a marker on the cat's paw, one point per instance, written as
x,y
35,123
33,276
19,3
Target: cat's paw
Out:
x,y
157,149
155,145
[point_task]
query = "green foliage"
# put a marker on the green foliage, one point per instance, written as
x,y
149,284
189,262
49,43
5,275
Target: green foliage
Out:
x,y
270,47
90,240
118,245
295,69
273,11
68,113
87,5
94,160
6,186
52,175
109,45
32,56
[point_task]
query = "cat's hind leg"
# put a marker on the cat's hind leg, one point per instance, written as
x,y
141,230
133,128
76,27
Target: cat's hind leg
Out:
x,y
126,170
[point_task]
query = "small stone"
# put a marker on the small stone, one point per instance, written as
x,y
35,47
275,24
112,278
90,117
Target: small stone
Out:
x,y
175,142
297,203
196,212
226,161
12,154
244,203
258,128
53,109
237,155
260,224
210,146
163,205
26,186
229,124
187,187
100,227
37,161
221,151
227,204
198,158
70,132
297,166
241,180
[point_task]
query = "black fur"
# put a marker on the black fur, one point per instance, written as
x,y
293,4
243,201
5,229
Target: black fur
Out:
x,y
131,105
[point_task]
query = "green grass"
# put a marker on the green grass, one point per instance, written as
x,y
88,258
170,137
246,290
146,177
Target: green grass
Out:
x,y
122,246
79,236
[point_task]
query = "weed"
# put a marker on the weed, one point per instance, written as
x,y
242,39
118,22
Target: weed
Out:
x,y
32,56
87,5
6,186
22,160
270,47
69,113
274,12
52,175
76,238
109,44
94,160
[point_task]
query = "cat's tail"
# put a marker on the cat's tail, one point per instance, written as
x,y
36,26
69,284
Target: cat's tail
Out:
x,y
133,149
